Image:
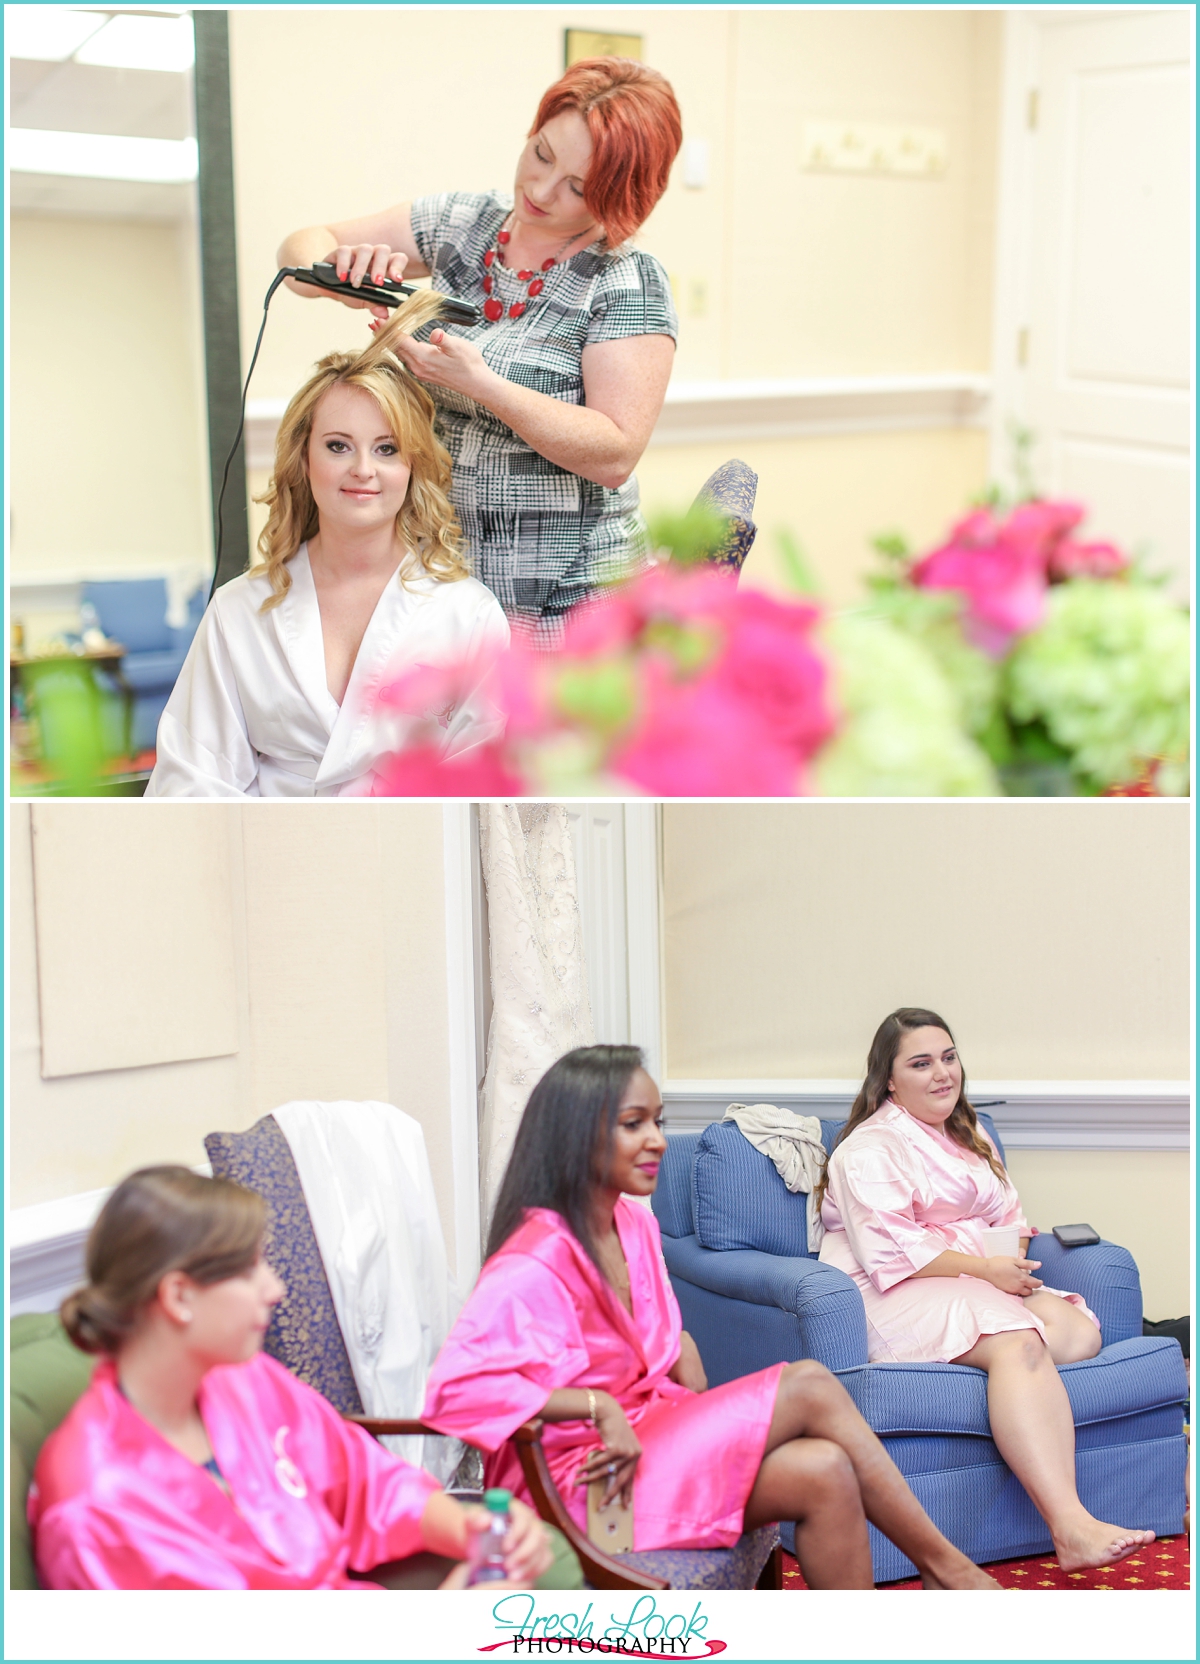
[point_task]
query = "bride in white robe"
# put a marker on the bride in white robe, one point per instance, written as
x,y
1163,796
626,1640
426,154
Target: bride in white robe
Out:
x,y
362,579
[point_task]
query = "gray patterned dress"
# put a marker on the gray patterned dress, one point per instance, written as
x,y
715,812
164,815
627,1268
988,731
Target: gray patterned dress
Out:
x,y
541,538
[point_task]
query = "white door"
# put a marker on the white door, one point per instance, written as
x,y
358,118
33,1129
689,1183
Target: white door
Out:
x,y
1094,339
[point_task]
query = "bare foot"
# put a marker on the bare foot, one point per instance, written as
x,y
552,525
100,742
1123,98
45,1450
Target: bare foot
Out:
x,y
1095,1544
965,1575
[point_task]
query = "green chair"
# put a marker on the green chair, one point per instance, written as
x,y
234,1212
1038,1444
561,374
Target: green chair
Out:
x,y
46,1374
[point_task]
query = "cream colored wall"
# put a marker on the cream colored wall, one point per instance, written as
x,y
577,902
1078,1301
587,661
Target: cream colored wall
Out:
x,y
1139,1198
833,493
779,273
1053,936
107,437
341,972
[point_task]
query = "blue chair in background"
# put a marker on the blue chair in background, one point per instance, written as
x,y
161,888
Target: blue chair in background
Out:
x,y
736,1245
133,611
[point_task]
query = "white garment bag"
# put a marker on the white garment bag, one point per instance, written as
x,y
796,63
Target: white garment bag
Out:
x,y
366,1178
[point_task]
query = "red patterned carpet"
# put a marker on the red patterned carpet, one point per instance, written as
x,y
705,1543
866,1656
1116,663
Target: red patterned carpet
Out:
x,y
1166,1564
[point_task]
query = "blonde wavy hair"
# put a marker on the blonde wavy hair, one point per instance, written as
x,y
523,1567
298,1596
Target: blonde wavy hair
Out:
x,y
426,524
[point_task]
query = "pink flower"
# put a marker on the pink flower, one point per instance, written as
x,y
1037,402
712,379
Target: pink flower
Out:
x,y
999,567
769,663
1085,560
1044,524
422,771
697,741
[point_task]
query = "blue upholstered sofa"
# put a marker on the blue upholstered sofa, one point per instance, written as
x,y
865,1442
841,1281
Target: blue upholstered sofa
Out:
x,y
751,1294
133,611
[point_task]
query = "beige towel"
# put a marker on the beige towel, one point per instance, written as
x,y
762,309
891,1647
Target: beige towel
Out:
x,y
793,1143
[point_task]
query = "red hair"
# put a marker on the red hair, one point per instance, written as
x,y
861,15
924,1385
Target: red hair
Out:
x,y
633,120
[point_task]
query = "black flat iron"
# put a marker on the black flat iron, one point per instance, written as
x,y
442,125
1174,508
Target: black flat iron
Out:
x,y
322,275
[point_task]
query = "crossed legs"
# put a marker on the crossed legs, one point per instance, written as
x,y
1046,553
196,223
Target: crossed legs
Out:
x,y
825,1469
1034,1431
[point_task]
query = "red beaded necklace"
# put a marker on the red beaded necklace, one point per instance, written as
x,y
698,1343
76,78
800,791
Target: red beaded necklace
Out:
x,y
493,306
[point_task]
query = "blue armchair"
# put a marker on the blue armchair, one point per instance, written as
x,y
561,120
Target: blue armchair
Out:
x,y
751,1294
133,611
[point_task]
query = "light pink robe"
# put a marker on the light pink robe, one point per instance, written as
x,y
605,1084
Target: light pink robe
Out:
x,y
114,1506
541,1316
900,1193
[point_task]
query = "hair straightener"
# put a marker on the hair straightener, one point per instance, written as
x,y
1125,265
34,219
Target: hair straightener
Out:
x,y
322,275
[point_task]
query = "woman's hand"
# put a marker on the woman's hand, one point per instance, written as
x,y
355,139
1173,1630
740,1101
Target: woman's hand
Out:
x,y
618,1459
527,1552
688,1369
446,361
1013,1275
356,263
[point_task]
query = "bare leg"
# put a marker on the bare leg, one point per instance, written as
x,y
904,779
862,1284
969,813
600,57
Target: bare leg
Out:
x,y
1070,1335
813,1405
812,1482
1034,1432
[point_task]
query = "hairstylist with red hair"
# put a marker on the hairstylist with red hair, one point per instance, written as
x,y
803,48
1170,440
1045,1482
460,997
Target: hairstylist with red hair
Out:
x,y
547,404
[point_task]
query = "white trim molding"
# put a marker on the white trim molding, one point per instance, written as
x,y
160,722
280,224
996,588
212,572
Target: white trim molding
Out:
x,y
458,847
1029,1114
46,1244
643,931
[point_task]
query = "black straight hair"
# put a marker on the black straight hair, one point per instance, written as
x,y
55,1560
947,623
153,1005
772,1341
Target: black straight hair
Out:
x,y
564,1133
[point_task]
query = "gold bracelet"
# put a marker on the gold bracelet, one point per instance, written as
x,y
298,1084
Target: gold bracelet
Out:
x,y
591,1406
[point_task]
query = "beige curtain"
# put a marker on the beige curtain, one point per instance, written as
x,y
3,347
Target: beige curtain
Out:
x,y
540,1005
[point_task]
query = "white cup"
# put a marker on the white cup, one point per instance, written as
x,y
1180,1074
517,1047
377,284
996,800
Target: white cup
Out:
x,y
1001,1239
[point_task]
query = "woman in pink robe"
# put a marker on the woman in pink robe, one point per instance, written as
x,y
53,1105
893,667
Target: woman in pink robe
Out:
x,y
573,1319
192,1461
911,1185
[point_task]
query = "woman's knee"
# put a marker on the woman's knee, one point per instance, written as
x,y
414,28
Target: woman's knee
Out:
x,y
806,1381
823,1469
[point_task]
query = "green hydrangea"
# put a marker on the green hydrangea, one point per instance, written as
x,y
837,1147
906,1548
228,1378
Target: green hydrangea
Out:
x,y
901,733
1108,672
933,617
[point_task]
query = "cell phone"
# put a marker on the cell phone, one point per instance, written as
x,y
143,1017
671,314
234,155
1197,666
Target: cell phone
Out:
x,y
1076,1236
609,1528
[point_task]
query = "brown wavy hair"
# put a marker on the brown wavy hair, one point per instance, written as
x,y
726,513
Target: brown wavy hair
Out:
x,y
962,1125
159,1219
426,525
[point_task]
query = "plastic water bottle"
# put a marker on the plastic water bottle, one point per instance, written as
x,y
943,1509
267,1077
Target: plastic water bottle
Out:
x,y
487,1547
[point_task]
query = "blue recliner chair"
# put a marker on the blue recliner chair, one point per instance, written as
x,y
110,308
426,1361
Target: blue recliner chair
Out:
x,y
736,1245
133,611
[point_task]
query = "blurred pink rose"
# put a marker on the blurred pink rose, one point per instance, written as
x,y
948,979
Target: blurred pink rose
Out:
x,y
1085,560
1000,569
676,682
422,771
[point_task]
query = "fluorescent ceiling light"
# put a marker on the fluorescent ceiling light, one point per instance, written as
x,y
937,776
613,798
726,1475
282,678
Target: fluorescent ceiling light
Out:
x,y
49,33
102,156
128,42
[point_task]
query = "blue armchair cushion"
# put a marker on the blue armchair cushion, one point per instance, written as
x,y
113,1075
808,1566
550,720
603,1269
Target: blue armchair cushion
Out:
x,y
739,1199
1130,1378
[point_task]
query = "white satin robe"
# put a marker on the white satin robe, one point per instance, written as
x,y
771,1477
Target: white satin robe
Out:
x,y
900,1193
252,715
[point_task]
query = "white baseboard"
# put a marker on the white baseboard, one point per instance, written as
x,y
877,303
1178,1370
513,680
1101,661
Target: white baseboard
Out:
x,y
45,1248
1031,1114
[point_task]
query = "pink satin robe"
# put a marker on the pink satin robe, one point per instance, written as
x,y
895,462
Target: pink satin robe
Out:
x,y
900,1193
541,1316
114,1506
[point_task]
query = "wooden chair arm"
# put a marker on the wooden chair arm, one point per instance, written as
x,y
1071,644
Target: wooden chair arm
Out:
x,y
601,1571
377,1426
